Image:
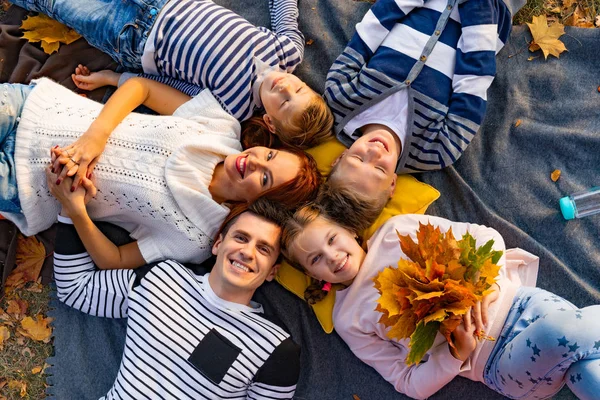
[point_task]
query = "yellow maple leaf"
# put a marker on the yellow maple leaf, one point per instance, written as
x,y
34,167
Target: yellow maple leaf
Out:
x,y
51,33
4,335
546,37
22,386
37,329
29,259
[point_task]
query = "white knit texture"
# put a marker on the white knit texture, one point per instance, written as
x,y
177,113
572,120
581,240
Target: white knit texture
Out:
x,y
152,178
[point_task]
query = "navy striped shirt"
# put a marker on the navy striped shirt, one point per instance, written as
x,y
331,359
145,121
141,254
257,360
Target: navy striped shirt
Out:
x,y
183,341
443,52
199,44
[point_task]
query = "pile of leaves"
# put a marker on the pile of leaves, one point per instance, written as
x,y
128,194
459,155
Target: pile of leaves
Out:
x,y
432,289
25,333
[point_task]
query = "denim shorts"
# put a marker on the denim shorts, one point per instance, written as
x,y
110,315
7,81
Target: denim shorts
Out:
x,y
118,28
12,100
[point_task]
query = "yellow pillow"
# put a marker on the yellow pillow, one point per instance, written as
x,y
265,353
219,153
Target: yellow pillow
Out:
x,y
410,197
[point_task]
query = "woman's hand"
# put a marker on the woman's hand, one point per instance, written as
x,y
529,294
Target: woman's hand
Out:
x,y
86,80
73,202
480,310
78,159
463,338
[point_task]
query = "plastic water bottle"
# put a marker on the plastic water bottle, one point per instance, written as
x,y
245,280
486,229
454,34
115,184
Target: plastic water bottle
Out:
x,y
581,204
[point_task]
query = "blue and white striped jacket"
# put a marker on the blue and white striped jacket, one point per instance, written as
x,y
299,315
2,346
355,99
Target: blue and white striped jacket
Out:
x,y
443,52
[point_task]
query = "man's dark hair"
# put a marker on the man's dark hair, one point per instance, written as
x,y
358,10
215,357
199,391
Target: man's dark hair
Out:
x,y
266,209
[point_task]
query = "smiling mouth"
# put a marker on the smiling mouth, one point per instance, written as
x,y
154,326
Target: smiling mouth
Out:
x,y
240,165
380,143
341,265
238,265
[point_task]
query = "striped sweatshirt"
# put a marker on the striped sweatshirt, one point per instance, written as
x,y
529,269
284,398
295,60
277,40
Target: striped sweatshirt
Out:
x,y
183,341
197,44
442,52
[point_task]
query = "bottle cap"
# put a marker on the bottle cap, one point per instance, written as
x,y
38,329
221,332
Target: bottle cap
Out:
x,y
567,208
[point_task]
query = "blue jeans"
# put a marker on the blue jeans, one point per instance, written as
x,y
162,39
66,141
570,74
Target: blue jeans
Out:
x,y
117,27
546,342
12,100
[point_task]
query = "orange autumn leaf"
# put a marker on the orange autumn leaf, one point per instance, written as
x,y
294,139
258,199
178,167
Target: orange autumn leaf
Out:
x,y
4,335
29,259
37,329
546,37
17,307
48,32
555,175
36,370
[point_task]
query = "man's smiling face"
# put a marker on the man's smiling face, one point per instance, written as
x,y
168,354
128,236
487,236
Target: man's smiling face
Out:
x,y
246,257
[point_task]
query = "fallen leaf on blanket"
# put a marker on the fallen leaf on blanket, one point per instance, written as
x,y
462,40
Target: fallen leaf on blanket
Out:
x,y
36,370
20,385
546,37
518,123
4,335
29,259
355,397
49,32
17,308
598,89
555,175
309,42
37,329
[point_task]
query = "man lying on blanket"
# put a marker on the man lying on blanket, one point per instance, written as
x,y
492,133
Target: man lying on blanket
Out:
x,y
188,335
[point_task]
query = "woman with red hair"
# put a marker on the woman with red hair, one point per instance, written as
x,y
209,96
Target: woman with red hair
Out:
x,y
169,180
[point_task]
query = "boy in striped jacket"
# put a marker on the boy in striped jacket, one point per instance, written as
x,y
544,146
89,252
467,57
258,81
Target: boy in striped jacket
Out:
x,y
191,334
409,91
196,44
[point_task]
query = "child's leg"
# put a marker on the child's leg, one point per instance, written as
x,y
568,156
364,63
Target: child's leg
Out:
x,y
118,28
12,99
546,340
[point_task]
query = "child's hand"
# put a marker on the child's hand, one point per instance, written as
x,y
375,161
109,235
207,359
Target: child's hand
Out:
x,y
73,202
480,311
464,339
86,80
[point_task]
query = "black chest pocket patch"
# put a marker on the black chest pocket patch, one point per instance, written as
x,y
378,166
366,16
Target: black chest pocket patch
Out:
x,y
214,355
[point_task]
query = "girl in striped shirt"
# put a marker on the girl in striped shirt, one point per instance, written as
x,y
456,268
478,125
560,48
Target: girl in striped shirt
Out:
x,y
196,44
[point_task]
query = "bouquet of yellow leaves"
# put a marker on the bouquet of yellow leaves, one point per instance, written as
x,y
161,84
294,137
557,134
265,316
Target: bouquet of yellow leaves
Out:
x,y
434,288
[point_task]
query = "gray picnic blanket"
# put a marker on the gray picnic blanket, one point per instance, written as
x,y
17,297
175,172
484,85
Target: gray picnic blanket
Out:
x,y
502,180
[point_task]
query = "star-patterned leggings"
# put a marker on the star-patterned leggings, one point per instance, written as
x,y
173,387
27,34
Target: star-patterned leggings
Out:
x,y
546,342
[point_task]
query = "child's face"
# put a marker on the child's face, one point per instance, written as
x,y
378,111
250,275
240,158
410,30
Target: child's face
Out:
x,y
370,163
328,252
283,96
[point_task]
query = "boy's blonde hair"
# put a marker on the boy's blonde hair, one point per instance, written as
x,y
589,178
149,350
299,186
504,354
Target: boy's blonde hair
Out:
x,y
347,206
304,130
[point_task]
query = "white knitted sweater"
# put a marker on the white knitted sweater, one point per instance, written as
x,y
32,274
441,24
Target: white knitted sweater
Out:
x,y
152,178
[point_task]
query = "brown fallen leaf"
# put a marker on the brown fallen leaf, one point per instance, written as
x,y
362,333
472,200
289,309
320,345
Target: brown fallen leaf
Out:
x,y
555,175
29,259
546,37
49,32
3,382
37,329
17,308
355,397
309,42
4,335
568,3
22,386
518,123
36,370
